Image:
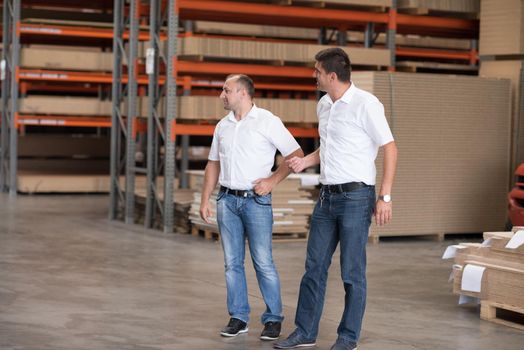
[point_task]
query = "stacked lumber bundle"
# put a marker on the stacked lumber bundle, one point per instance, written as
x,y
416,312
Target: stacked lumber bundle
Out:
x,y
292,207
453,138
492,272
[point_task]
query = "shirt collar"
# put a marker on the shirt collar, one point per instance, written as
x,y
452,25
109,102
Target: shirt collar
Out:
x,y
253,113
346,97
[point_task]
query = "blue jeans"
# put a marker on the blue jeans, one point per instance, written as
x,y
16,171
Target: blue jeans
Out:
x,y
248,217
345,218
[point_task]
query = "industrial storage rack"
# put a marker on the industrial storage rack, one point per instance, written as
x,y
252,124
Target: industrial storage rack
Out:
x,y
163,131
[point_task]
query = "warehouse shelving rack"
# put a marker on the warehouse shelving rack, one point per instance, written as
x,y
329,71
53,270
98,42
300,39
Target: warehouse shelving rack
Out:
x,y
183,73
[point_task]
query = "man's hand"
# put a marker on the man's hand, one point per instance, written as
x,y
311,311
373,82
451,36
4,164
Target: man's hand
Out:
x,y
383,212
205,212
263,186
297,164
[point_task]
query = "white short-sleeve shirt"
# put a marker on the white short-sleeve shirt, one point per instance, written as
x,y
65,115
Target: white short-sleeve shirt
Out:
x,y
351,131
246,148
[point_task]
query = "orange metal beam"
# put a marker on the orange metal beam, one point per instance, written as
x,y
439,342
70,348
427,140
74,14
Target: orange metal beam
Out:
x,y
308,16
107,78
50,120
71,31
208,130
190,68
428,53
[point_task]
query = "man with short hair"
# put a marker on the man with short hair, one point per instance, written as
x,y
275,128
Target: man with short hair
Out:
x,y
352,127
241,157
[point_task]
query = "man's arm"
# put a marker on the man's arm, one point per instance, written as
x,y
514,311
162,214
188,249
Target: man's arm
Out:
x,y
383,210
299,163
210,182
265,186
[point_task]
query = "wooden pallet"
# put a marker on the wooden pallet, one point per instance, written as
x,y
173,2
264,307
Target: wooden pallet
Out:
x,y
211,233
491,311
374,238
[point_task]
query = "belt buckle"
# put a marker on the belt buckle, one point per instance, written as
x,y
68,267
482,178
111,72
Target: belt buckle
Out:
x,y
245,194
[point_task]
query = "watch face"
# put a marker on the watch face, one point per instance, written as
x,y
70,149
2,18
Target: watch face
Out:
x,y
386,198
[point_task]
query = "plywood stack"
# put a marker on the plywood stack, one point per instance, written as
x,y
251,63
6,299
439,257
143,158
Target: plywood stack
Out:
x,y
501,48
453,138
292,207
492,272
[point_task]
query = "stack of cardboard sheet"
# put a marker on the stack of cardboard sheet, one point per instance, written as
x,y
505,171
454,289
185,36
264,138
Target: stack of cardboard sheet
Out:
x,y
289,110
254,30
292,207
470,7
502,55
66,58
339,3
228,49
514,71
501,28
492,272
63,163
453,138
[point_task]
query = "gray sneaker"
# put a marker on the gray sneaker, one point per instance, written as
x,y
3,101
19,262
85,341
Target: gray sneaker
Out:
x,y
342,344
295,340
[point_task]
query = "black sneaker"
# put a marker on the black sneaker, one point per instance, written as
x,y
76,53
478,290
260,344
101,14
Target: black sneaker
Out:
x,y
271,331
234,328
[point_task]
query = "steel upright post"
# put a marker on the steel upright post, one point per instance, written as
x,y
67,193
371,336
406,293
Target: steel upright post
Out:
x,y
152,69
7,75
118,131
169,168
13,102
132,97
391,35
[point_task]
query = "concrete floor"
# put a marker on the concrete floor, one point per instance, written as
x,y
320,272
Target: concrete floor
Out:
x,y
71,279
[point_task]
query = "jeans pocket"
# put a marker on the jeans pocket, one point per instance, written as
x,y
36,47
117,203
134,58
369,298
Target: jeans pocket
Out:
x,y
360,194
220,195
263,200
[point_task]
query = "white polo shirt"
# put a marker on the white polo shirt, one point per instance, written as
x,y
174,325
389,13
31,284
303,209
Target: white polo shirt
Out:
x,y
246,148
351,131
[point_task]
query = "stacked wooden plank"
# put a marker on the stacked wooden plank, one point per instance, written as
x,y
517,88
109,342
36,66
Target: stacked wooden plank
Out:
x,y
292,208
502,55
453,138
493,272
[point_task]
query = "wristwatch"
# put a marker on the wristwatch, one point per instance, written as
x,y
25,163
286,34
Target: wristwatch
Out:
x,y
385,198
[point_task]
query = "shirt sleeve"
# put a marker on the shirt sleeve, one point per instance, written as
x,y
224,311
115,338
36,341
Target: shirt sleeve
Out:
x,y
280,136
376,125
214,151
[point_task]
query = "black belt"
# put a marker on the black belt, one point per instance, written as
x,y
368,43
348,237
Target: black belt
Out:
x,y
238,193
347,187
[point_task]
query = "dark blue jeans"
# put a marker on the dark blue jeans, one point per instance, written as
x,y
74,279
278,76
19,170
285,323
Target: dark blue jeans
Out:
x,y
345,218
248,217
